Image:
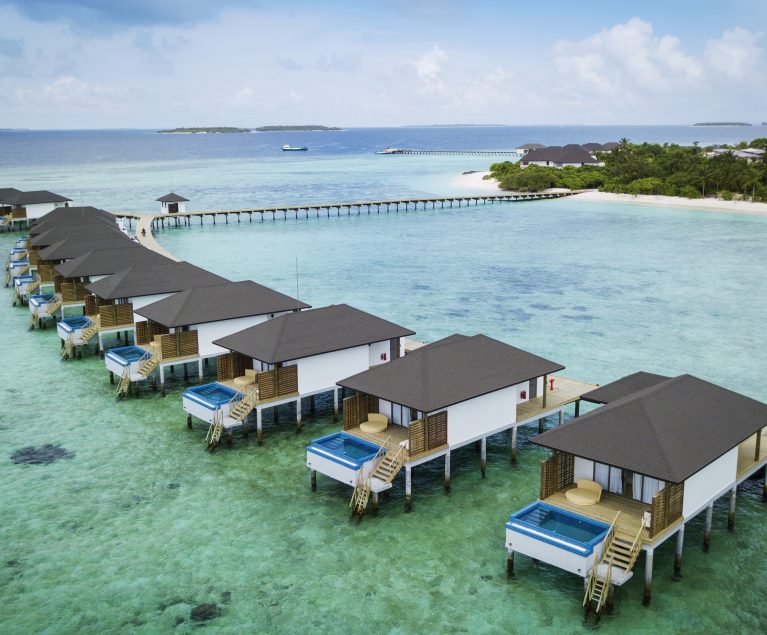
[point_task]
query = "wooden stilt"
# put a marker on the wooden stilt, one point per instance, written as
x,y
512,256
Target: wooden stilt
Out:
x,y
314,480
561,416
111,377
335,404
298,414
483,457
678,553
408,488
259,426
510,563
731,513
447,472
648,577
189,421
376,502
764,487
540,426
707,527
577,408
514,445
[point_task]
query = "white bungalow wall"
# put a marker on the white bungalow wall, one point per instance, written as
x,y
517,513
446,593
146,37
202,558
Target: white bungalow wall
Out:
x,y
709,482
210,331
524,389
321,372
481,416
38,210
583,468
378,349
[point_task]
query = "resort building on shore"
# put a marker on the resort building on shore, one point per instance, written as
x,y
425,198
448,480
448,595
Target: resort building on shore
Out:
x,y
628,476
111,301
172,204
527,147
559,157
293,357
181,329
21,209
440,397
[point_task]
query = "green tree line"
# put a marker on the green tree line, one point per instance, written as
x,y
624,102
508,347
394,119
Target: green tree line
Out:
x,y
650,168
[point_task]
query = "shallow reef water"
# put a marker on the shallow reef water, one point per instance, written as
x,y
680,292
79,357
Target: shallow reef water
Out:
x,y
143,531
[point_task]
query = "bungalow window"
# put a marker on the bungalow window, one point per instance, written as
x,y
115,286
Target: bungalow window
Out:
x,y
400,415
645,487
610,478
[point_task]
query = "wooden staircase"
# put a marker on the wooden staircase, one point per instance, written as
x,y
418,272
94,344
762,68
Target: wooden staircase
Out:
x,y
54,304
148,365
617,562
122,388
390,462
244,406
90,330
34,285
215,430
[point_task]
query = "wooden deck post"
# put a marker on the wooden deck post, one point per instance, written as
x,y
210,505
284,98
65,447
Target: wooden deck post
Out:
x,y
298,414
731,513
578,408
510,563
259,426
189,421
199,369
335,404
678,553
408,488
314,480
376,502
514,445
483,457
561,416
648,577
447,472
707,527
111,377
541,427
545,384
161,368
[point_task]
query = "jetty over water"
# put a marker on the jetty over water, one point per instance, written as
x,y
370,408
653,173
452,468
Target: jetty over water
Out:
x,y
150,222
484,153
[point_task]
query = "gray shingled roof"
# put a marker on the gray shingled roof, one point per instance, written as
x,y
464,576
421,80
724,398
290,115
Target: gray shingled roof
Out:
x,y
74,247
57,233
172,198
141,280
623,387
70,216
559,154
531,146
228,301
668,431
308,333
102,262
31,198
450,371
8,194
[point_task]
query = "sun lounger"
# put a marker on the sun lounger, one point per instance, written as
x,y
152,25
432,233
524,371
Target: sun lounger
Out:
x,y
586,493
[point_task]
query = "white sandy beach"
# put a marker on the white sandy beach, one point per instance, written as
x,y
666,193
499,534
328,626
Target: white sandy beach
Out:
x,y
474,182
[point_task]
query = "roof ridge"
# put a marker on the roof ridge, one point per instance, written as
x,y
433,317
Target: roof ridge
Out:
x,y
661,449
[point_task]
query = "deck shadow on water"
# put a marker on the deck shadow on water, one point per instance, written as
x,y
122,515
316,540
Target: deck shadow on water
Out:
x,y
40,456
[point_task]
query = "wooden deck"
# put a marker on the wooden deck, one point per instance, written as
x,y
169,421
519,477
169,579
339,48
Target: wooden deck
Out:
x,y
566,391
746,459
229,383
631,513
396,435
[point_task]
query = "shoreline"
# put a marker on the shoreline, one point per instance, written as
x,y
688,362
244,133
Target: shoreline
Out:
x,y
475,182
699,204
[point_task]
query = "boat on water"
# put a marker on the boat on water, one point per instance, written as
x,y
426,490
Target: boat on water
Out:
x,y
289,148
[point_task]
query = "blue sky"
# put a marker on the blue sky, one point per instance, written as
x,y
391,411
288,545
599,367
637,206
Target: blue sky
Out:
x,y
149,63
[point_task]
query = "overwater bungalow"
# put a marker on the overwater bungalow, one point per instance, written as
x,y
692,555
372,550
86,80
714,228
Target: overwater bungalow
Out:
x,y
69,278
112,300
172,203
72,216
293,357
629,475
440,397
181,329
21,209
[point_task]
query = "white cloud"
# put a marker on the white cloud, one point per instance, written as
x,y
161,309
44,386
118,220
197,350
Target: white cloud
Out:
x,y
429,68
68,91
736,54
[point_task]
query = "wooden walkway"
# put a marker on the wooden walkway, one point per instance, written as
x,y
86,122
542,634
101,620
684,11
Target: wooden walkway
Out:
x,y
152,222
484,153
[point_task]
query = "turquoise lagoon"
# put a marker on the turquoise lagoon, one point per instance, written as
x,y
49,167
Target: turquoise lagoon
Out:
x,y
141,524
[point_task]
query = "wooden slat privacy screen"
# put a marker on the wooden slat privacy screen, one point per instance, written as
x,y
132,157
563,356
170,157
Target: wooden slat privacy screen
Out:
x,y
557,472
180,344
146,330
45,272
428,433
357,408
73,291
118,315
666,507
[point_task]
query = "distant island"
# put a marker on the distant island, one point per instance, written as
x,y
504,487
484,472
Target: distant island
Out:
x,y
204,130
722,123
294,128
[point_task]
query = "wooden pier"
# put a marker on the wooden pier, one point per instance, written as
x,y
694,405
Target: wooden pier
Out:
x,y
483,153
151,222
